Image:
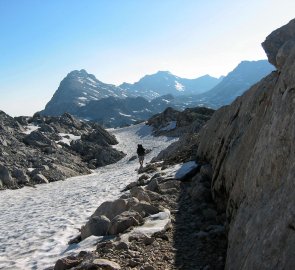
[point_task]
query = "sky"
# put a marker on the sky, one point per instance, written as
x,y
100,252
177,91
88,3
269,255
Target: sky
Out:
x,y
41,41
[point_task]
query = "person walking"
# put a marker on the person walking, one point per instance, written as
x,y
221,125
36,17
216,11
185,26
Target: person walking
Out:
x,y
140,153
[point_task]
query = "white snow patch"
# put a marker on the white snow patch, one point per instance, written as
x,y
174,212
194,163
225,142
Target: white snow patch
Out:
x,y
67,138
37,223
154,223
179,170
30,128
91,84
170,126
127,115
179,86
92,81
82,98
165,100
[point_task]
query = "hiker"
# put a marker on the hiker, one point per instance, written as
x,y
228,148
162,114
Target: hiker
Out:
x,y
140,153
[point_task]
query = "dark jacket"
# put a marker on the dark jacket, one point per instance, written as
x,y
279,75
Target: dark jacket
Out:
x,y
140,150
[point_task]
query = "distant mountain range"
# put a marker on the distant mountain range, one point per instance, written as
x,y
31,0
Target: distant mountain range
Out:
x,y
164,82
84,96
236,83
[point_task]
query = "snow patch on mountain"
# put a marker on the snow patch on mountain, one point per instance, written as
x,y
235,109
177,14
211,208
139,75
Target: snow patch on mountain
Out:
x,y
179,86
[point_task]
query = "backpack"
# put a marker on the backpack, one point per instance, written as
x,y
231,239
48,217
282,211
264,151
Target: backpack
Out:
x,y
140,150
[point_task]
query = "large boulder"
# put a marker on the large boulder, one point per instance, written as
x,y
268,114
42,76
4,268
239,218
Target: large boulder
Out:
x,y
279,43
38,139
111,209
251,147
20,176
97,225
40,179
124,221
5,177
67,263
96,154
100,136
105,264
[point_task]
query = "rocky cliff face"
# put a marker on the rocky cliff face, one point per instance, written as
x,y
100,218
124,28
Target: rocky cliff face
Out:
x,y
42,149
251,147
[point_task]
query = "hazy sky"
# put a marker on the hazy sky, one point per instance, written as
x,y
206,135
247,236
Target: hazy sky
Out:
x,y
117,41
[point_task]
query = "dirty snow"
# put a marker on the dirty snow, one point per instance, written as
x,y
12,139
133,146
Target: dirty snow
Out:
x,y
67,138
30,128
170,126
36,223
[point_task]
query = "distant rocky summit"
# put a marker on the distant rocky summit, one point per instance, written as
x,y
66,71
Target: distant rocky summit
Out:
x,y
164,82
42,149
76,90
237,82
82,95
233,85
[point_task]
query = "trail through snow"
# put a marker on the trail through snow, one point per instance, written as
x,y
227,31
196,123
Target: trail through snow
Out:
x,y
36,223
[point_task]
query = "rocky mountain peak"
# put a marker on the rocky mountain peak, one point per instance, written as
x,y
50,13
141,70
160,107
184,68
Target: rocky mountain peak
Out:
x,y
164,82
81,72
279,43
76,90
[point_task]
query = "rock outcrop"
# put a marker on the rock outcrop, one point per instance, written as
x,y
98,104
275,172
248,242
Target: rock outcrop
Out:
x,y
41,149
175,123
185,125
250,145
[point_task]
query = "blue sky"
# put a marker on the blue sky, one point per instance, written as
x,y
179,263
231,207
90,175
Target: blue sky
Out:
x,y
117,41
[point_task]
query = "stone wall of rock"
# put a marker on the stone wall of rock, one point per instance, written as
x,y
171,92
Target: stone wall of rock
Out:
x,y
250,145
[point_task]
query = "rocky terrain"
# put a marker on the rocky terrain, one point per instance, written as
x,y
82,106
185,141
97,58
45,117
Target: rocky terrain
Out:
x,y
173,123
235,210
152,226
43,149
185,125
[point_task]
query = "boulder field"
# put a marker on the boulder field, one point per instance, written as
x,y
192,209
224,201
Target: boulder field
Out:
x,y
42,149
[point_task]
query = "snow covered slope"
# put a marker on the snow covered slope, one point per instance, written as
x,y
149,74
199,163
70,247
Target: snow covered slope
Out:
x,y
37,223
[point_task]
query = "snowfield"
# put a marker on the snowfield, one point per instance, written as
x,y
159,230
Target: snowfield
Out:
x,y
37,223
